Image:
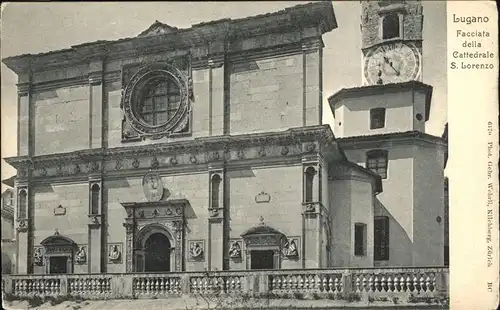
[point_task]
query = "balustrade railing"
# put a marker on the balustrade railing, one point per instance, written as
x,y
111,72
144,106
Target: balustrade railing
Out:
x,y
373,281
94,286
211,283
306,283
145,285
383,281
36,286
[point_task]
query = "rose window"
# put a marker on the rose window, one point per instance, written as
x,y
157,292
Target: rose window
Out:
x,y
155,100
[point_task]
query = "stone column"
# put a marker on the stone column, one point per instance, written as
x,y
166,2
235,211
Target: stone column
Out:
x,y
96,104
312,50
216,238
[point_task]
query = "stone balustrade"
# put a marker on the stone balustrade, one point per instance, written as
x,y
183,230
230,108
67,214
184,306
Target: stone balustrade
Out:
x,y
149,285
307,282
377,282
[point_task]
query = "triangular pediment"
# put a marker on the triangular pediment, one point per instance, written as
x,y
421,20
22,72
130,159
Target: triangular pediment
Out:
x,y
58,240
261,230
158,28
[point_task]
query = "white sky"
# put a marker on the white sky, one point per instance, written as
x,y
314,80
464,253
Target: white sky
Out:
x,y
42,27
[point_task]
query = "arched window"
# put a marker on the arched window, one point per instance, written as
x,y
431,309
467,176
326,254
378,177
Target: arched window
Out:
x,y
390,26
160,102
376,161
215,190
22,209
310,172
94,208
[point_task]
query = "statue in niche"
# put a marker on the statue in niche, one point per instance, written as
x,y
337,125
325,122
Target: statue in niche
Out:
x,y
115,254
235,250
290,249
81,256
196,250
38,257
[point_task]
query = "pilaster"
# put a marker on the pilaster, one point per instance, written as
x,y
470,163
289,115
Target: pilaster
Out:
x,y
95,224
24,227
96,92
216,238
216,95
23,126
311,207
312,62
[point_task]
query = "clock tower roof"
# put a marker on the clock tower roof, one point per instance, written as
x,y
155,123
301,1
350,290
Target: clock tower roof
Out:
x,y
363,91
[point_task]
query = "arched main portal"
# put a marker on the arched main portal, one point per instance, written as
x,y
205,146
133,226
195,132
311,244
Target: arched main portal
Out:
x,y
157,250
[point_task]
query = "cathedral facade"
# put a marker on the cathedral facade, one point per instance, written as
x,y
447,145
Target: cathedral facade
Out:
x,y
204,149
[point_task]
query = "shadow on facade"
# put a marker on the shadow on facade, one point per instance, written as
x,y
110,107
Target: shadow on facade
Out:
x,y
400,244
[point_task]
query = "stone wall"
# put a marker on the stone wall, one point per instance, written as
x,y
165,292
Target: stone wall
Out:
x,y
352,115
282,212
72,223
399,208
61,120
351,197
266,94
429,213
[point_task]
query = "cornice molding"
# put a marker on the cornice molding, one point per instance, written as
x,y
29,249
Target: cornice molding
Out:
x,y
312,44
396,138
61,83
193,155
319,15
383,90
23,89
96,78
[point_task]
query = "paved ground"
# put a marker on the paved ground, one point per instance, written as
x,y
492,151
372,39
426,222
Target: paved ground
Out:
x,y
193,303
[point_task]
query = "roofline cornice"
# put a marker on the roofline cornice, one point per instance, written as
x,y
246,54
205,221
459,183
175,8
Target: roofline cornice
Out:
x,y
346,165
315,14
396,137
345,93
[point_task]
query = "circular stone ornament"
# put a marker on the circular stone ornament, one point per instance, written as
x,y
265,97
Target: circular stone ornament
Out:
x,y
140,82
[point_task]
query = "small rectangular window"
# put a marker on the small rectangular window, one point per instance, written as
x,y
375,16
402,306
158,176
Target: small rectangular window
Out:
x,y
359,239
381,238
377,118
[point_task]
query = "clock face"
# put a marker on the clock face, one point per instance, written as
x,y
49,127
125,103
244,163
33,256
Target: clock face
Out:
x,y
393,62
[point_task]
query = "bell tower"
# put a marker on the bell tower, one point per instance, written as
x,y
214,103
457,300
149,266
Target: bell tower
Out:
x,y
381,126
393,98
391,33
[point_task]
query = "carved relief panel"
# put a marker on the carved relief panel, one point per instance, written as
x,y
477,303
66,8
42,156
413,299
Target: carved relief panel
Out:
x,y
196,250
115,253
291,247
